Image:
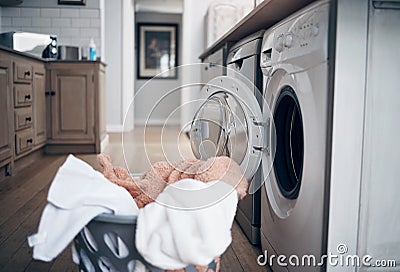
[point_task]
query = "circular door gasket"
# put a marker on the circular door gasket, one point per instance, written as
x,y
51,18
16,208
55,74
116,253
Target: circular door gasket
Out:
x,y
289,154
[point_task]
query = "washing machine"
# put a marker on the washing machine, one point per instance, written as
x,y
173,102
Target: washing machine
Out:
x,y
296,69
243,63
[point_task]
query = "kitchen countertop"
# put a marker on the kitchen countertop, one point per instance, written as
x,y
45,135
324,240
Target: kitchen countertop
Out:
x,y
265,15
33,57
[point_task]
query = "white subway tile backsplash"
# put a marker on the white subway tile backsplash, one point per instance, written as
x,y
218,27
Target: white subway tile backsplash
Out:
x,y
85,41
89,32
69,41
73,25
50,12
30,12
50,30
94,22
61,22
70,13
41,22
87,13
30,29
21,21
10,28
5,21
69,32
80,22
12,12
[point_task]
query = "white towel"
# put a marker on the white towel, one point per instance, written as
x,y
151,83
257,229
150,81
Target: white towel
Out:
x,y
190,223
77,194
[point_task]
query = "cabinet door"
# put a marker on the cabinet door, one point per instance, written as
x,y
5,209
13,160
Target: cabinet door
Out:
x,y
72,106
39,104
5,112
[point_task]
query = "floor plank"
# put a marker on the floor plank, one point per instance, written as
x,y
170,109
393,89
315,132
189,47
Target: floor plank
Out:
x,y
22,214
230,262
248,254
10,184
14,252
21,195
63,263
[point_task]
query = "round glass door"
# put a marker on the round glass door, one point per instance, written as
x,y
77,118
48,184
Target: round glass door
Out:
x,y
219,128
289,154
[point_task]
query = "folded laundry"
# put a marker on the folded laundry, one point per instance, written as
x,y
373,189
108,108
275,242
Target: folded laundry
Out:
x,y
77,194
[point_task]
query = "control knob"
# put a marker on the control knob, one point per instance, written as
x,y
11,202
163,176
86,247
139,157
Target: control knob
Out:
x,y
288,42
314,30
279,44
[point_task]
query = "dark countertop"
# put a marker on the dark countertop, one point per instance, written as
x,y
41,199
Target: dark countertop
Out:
x,y
33,57
265,15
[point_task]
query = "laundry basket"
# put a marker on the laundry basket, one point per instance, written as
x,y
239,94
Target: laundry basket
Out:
x,y
107,243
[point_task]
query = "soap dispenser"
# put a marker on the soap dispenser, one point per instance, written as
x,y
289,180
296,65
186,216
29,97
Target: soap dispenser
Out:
x,y
92,50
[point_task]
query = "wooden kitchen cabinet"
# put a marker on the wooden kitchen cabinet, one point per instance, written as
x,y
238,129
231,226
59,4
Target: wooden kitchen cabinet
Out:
x,y
72,107
76,94
5,113
50,106
24,137
39,107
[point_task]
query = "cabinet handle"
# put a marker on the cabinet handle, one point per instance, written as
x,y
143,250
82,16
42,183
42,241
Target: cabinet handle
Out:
x,y
50,93
29,140
28,96
28,119
27,73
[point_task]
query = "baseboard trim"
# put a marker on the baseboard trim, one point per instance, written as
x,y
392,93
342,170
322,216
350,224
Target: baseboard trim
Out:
x,y
54,149
104,143
118,128
156,122
115,128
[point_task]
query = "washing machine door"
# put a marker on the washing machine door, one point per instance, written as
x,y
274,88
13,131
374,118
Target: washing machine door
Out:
x,y
284,182
230,123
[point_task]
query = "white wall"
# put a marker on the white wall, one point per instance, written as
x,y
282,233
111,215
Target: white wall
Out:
x,y
160,6
119,52
73,25
113,34
193,37
347,134
146,100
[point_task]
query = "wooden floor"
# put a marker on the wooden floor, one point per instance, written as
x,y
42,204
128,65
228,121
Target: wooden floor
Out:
x,y
23,197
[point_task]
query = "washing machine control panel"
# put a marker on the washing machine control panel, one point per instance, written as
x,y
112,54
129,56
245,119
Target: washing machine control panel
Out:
x,y
300,41
305,34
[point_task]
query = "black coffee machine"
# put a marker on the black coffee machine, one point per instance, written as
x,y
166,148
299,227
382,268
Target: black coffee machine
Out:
x,y
51,52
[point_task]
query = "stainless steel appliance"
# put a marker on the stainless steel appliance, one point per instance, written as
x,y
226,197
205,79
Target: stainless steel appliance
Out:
x,y
40,45
66,52
215,63
295,64
243,60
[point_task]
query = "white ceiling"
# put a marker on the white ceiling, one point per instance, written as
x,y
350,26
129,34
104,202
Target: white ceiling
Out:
x,y
160,6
